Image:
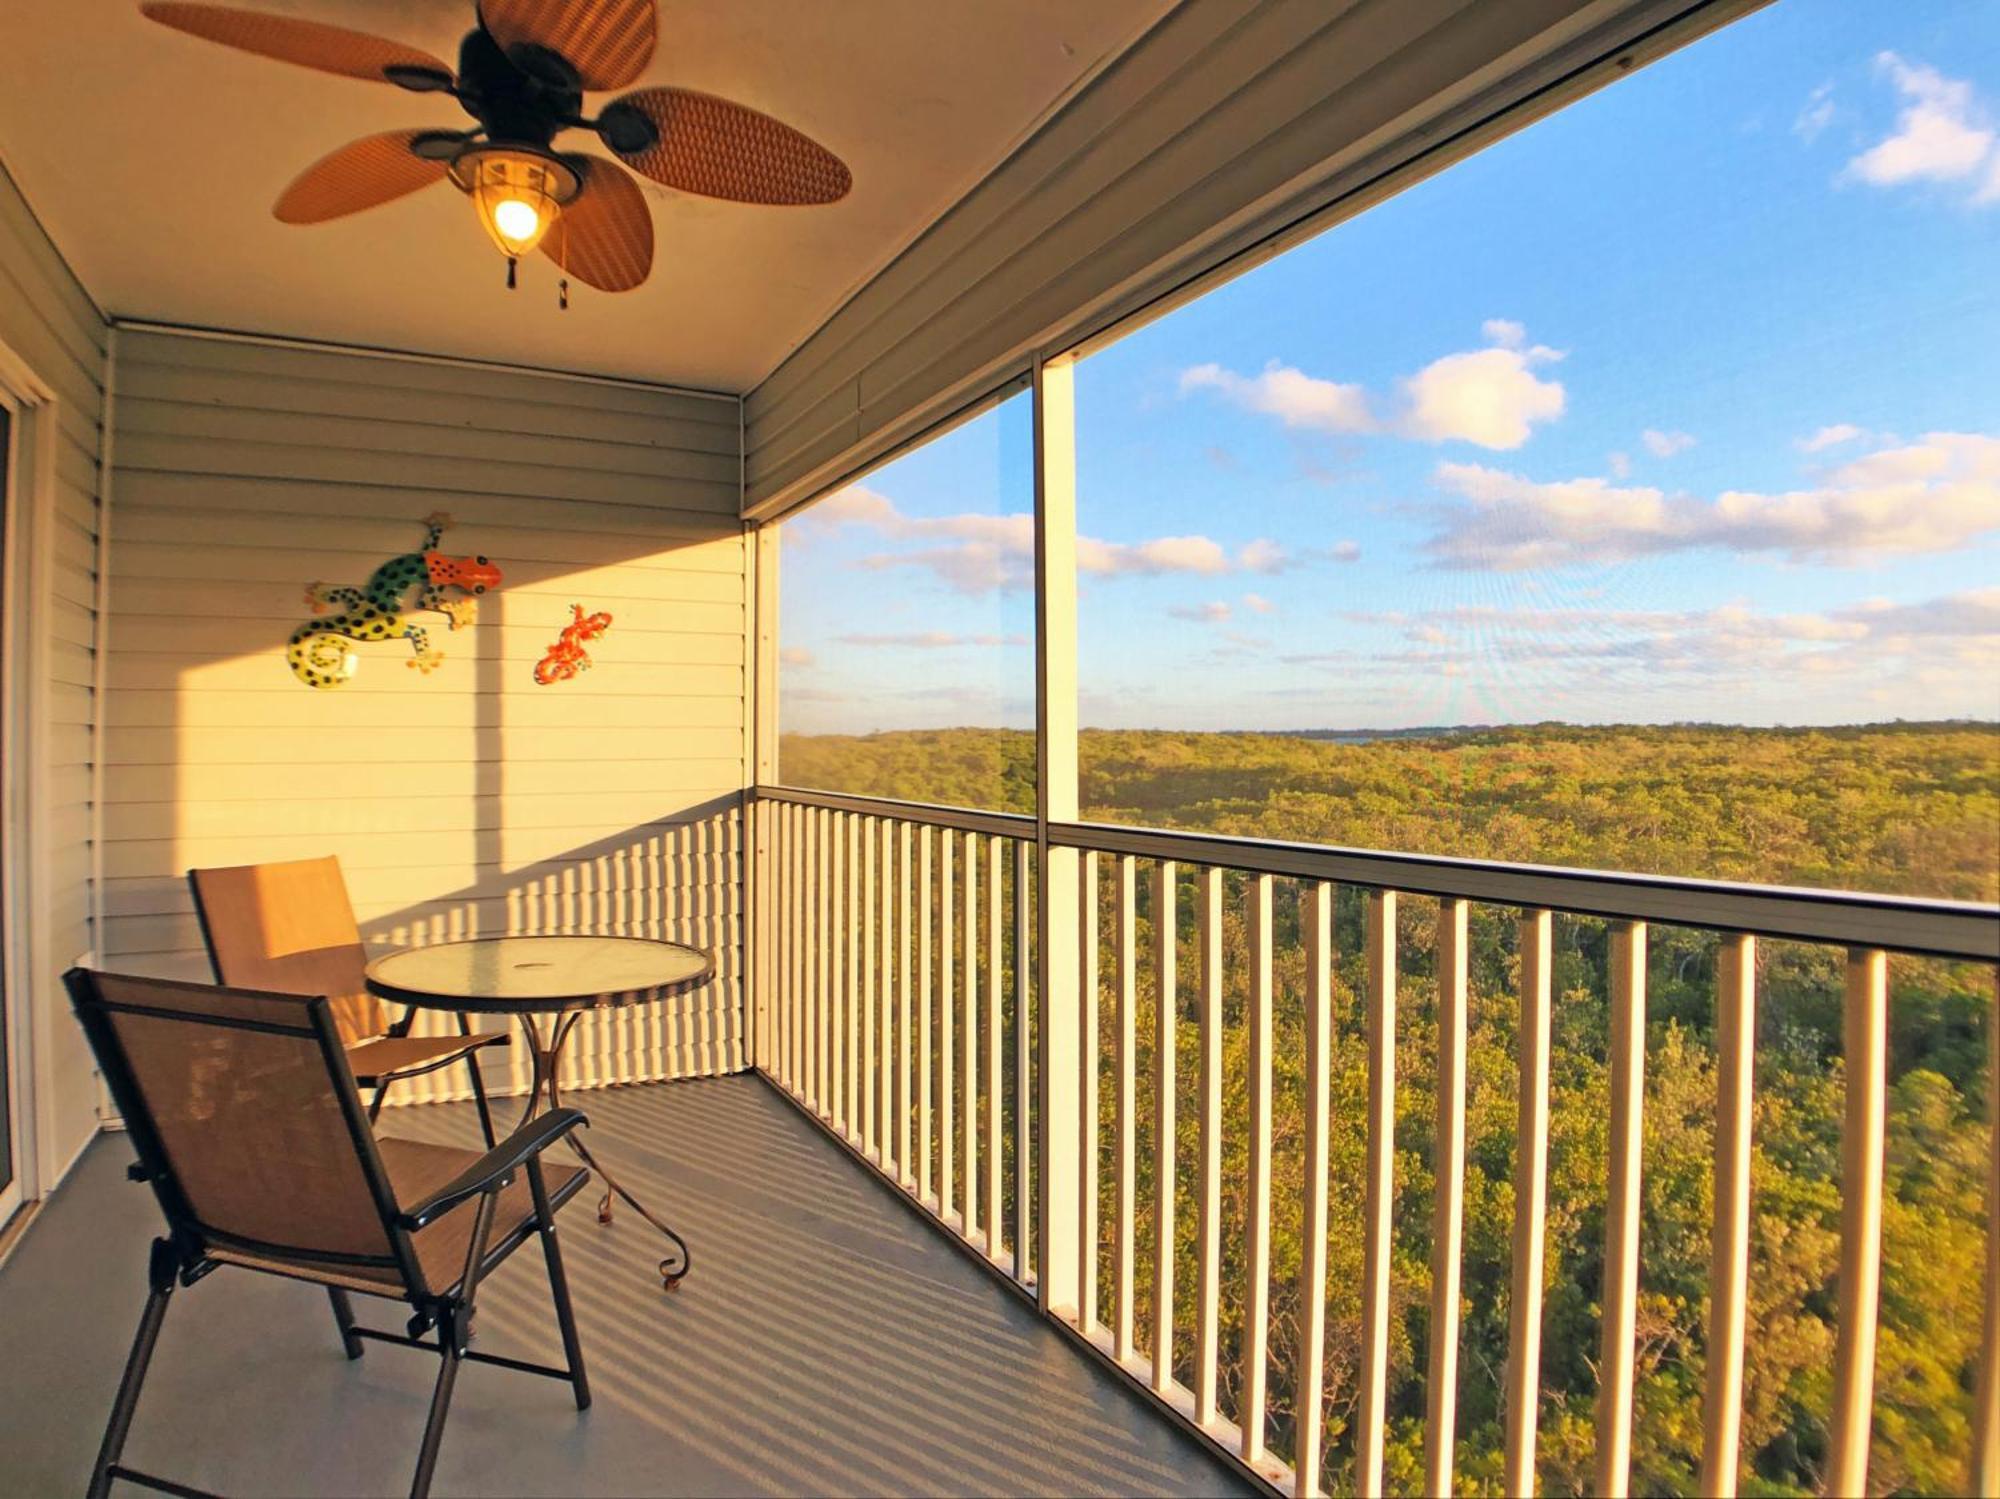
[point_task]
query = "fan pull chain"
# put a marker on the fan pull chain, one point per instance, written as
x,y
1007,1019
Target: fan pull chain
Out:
x,y
510,272
562,295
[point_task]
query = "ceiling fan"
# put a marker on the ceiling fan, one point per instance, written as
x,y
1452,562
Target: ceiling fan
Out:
x,y
522,72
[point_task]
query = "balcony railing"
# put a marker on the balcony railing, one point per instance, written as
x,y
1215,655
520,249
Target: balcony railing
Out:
x,y
900,1009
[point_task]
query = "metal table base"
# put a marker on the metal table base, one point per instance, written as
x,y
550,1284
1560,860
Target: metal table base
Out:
x,y
547,1057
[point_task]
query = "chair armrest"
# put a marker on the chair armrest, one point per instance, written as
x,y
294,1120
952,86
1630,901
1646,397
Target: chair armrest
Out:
x,y
496,1168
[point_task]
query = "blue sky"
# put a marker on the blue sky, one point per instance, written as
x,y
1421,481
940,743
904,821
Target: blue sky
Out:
x,y
1682,404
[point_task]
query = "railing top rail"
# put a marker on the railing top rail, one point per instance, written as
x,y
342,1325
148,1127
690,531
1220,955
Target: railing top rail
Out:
x,y
1932,928
965,819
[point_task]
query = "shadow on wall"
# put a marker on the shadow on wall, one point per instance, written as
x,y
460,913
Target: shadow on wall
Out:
x,y
674,881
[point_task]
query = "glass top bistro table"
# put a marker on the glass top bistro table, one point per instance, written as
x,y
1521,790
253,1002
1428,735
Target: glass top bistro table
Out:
x,y
556,977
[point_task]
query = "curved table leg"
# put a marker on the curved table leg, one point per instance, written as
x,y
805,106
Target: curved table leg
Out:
x,y
548,1071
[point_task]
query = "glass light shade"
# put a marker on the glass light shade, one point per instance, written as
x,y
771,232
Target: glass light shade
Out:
x,y
518,195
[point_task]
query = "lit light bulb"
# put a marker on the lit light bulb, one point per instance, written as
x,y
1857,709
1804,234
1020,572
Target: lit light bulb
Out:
x,y
517,222
518,193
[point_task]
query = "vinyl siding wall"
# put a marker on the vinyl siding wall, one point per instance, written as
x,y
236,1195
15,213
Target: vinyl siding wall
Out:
x,y
48,322
470,801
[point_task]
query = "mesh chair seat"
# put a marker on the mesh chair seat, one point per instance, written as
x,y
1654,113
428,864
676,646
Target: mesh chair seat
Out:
x,y
385,1058
416,1169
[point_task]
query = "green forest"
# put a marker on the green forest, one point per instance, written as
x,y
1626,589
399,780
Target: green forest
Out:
x,y
1902,808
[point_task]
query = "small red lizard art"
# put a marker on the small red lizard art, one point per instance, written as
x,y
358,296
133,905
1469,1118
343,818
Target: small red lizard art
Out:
x,y
567,656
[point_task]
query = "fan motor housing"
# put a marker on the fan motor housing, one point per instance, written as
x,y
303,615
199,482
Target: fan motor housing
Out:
x,y
521,96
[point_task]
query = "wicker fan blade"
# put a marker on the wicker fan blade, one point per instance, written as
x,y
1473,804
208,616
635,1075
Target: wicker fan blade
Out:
x,y
605,235
711,146
359,175
331,49
608,42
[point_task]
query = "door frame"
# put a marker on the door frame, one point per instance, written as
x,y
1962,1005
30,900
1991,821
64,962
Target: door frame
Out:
x,y
28,485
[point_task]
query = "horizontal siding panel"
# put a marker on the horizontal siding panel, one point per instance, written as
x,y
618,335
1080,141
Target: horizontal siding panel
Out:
x,y
500,915
194,600
391,538
390,814
144,559
70,705
663,778
69,586
671,864
70,745
308,747
537,449
31,256
282,362
207,455
459,686
71,624
53,347
72,665
366,400
144,656
660,525
131,858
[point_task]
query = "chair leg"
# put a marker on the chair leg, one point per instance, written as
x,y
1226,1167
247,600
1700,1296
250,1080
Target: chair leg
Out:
x,y
427,1454
161,1277
545,1223
375,1103
454,1333
343,1316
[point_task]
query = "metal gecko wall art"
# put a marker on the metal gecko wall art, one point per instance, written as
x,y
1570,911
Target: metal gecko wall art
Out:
x,y
320,652
567,656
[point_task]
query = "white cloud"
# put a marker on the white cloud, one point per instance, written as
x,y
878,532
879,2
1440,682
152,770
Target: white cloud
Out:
x,y
1163,554
1344,551
930,640
1829,437
1975,612
795,655
1815,115
1214,613
1292,396
1490,397
1944,133
979,553
1665,444
1263,556
1256,603
1620,465
1928,496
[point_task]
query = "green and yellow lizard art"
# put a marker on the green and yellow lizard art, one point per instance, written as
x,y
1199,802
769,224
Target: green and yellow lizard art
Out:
x,y
317,651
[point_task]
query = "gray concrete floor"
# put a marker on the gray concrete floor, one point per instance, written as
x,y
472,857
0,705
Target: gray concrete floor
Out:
x,y
827,1342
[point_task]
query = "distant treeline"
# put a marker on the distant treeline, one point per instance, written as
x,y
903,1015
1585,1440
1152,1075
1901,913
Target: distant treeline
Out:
x,y
1903,808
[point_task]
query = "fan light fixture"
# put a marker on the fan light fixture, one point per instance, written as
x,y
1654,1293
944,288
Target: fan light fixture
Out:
x,y
518,193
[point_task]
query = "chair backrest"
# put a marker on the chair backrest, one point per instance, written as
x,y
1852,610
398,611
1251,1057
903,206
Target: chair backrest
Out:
x,y
289,928
245,1116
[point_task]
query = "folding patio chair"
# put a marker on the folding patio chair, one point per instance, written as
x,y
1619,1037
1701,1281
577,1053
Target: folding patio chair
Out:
x,y
248,1125
290,927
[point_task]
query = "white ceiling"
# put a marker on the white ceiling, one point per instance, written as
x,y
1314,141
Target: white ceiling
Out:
x,y
152,158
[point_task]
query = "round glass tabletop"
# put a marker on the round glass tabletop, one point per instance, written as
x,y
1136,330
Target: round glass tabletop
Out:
x,y
509,974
